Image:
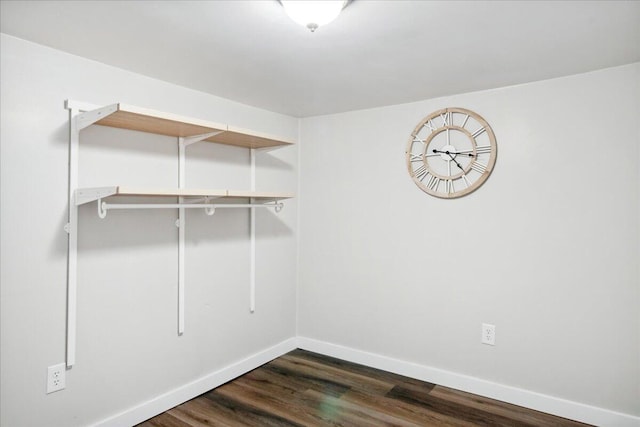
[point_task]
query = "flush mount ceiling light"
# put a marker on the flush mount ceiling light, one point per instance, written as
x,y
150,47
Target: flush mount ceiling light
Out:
x,y
313,14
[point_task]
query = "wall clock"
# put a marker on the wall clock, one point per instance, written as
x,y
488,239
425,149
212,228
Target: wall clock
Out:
x,y
451,153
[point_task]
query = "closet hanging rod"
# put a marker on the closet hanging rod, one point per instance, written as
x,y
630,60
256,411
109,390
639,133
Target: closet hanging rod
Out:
x,y
209,208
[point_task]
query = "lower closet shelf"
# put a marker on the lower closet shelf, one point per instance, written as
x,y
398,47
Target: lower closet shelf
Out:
x,y
87,195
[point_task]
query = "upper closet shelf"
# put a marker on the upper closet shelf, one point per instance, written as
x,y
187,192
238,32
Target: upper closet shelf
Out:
x,y
144,120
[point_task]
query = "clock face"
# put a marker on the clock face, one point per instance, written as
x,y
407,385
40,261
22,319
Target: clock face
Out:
x,y
451,153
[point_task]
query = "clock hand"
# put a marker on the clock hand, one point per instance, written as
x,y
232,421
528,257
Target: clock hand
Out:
x,y
454,161
452,152
448,153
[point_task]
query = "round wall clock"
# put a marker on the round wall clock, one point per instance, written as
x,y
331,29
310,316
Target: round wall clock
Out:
x,y
451,153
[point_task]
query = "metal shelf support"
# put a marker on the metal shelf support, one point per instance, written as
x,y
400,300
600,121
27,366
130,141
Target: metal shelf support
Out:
x,y
72,248
82,115
252,232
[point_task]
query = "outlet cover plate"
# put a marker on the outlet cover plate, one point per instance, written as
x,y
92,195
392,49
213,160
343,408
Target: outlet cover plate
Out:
x,y
488,334
56,377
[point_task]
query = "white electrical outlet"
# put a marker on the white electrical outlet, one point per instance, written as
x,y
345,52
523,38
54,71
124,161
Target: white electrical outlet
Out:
x,y
56,377
488,334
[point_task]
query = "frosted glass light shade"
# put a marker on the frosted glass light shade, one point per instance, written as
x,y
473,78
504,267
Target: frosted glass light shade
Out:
x,y
312,14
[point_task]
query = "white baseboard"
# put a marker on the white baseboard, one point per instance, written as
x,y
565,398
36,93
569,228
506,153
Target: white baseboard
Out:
x,y
166,401
529,399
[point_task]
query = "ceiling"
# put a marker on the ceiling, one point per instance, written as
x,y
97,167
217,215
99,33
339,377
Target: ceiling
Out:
x,y
375,53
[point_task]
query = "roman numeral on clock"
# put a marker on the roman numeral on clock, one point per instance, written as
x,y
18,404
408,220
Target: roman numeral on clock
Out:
x,y
449,186
432,183
420,173
429,124
483,149
478,132
446,118
466,181
479,167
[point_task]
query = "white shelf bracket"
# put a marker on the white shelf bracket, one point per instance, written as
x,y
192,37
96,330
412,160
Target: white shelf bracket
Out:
x,y
90,117
87,195
188,140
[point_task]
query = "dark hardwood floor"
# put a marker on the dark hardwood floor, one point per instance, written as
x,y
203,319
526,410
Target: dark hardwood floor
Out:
x,y
308,389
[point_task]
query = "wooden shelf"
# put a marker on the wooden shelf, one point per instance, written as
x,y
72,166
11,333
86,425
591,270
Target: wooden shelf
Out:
x,y
87,195
144,120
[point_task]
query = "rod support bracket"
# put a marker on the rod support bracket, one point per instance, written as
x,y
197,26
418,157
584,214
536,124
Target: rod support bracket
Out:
x,y
102,209
209,210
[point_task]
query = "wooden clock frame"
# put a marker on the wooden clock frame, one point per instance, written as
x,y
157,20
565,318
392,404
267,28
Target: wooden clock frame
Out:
x,y
473,164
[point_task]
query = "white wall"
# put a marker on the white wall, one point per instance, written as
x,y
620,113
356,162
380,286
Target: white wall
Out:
x,y
128,350
547,250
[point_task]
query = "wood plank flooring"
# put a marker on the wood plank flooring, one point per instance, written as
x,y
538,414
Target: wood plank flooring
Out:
x,y
307,389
